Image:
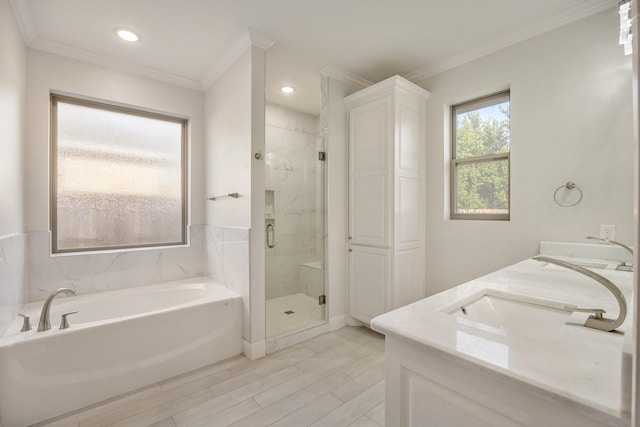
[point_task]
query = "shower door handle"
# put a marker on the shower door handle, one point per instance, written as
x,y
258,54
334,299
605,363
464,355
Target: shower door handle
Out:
x,y
270,235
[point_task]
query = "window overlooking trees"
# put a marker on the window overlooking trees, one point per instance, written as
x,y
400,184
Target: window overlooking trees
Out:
x,y
118,177
480,158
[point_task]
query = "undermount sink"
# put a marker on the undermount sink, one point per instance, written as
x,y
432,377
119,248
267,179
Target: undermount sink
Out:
x,y
511,313
587,264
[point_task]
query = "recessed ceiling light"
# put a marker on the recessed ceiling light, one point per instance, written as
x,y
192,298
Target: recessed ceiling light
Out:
x,y
127,35
287,89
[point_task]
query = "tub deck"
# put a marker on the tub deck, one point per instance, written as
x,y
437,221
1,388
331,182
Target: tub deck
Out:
x,y
110,352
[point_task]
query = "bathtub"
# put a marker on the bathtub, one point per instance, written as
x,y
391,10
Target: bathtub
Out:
x,y
117,342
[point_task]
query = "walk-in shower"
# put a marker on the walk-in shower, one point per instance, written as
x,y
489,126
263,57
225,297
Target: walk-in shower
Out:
x,y
294,222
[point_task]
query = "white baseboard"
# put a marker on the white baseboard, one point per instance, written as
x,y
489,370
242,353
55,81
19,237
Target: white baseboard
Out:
x,y
254,351
279,343
337,322
353,322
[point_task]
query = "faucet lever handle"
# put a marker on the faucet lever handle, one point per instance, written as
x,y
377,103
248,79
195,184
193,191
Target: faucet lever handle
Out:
x,y
63,323
26,324
597,312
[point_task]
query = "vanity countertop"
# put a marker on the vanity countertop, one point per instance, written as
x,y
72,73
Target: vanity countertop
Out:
x,y
575,363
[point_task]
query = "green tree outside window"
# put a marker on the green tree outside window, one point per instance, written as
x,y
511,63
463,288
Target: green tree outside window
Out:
x,y
481,159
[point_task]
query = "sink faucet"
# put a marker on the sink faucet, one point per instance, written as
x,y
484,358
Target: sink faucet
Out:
x,y
623,264
44,324
596,320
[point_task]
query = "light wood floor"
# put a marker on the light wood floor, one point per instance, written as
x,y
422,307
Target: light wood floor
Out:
x,y
336,379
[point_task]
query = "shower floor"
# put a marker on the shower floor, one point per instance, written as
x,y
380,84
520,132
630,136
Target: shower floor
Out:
x,y
292,313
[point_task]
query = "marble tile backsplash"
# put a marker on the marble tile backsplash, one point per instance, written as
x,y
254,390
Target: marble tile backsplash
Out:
x,y
227,262
89,273
13,253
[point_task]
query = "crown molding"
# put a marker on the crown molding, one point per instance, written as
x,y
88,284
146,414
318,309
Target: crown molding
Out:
x,y
566,17
344,76
237,48
260,40
388,86
255,38
234,52
23,16
112,63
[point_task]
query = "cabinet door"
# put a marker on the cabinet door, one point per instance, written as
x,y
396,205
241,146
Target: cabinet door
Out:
x,y
370,165
370,276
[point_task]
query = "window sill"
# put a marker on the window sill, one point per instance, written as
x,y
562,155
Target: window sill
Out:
x,y
116,251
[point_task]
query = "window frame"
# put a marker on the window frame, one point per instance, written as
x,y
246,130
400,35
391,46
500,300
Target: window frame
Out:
x,y
467,106
53,166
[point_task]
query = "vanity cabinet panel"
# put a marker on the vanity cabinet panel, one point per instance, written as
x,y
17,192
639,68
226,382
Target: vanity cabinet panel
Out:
x,y
387,162
427,387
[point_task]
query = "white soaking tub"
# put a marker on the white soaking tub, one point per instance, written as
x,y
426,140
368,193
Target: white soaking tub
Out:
x,y
117,342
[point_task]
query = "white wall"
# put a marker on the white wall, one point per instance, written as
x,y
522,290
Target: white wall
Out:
x,y
12,114
257,234
47,72
228,145
12,183
235,130
571,120
99,272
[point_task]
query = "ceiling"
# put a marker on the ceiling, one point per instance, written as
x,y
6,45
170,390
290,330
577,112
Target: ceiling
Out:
x,y
191,42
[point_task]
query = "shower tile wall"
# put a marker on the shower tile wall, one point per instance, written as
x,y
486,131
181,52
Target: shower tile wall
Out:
x,y
13,250
292,172
227,262
102,272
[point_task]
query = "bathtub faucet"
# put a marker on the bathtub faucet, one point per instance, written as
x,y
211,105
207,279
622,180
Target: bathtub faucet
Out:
x,y
44,324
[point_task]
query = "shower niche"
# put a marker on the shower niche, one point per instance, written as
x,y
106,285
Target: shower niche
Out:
x,y
294,222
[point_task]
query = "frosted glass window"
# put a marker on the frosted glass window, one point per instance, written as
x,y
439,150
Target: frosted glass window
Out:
x,y
118,177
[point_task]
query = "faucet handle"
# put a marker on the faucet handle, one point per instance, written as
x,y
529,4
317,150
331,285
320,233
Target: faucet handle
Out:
x,y
26,324
63,323
597,312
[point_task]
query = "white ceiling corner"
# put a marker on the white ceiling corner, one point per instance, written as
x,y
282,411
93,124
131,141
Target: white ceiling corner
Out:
x,y
237,48
112,63
32,40
556,21
23,16
344,76
234,51
218,32
260,40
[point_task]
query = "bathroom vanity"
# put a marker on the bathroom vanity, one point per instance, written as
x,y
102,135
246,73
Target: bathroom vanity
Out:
x,y
506,350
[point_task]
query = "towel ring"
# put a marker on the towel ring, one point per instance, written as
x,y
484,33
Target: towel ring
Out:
x,y
569,186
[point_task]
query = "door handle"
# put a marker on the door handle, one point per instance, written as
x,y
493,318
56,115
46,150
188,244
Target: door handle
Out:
x,y
270,236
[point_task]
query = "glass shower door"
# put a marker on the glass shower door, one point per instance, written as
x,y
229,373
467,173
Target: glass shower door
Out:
x,y
294,222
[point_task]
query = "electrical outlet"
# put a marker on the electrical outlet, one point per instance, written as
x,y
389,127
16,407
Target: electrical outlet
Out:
x,y
608,231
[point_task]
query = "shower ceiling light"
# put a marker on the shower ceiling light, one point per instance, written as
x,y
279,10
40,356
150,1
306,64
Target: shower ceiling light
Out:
x,y
127,35
287,89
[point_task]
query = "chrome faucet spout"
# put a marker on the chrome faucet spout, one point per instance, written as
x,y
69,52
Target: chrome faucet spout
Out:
x,y
613,242
624,265
44,324
596,321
